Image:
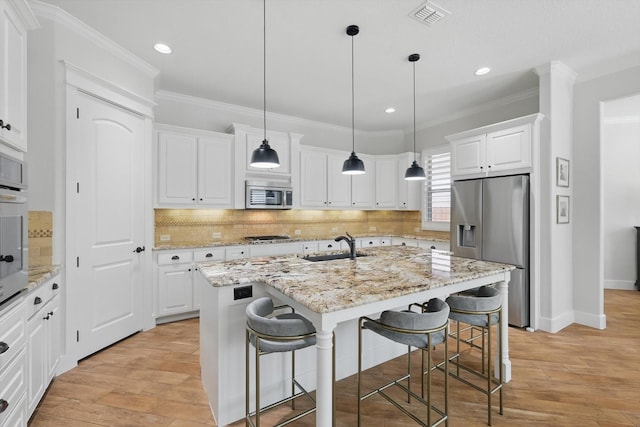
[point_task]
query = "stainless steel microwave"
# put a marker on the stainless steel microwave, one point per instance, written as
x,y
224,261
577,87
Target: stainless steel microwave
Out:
x,y
268,195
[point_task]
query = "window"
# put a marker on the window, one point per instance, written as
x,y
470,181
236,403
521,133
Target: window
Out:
x,y
437,189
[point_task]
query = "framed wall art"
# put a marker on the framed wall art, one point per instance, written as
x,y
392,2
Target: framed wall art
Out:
x,y
562,172
562,209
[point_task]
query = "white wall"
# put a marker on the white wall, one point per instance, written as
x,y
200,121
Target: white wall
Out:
x,y
620,190
588,253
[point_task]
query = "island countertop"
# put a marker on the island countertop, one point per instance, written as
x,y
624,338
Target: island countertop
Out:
x,y
327,286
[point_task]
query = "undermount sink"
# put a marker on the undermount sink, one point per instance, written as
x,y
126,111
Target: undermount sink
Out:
x,y
331,257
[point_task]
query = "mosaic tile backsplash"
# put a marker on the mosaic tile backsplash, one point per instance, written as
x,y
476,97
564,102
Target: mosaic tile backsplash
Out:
x,y
186,227
40,238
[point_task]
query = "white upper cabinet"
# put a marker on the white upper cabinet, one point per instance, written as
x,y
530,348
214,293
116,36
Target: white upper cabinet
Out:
x,y
194,168
13,71
495,149
322,183
386,177
363,186
408,191
313,179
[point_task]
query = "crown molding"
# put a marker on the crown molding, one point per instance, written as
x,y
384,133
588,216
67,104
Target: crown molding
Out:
x,y
25,13
61,17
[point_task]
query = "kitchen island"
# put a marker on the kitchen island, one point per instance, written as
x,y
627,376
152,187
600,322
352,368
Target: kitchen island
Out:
x,y
331,294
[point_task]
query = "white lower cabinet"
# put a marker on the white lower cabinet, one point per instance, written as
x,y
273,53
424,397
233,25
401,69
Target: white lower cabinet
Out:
x,y
13,370
175,272
44,335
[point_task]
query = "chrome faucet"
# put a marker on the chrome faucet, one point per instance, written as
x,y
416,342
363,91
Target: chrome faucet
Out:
x,y
351,241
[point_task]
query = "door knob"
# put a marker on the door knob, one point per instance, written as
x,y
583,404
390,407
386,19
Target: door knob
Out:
x,y
138,249
3,347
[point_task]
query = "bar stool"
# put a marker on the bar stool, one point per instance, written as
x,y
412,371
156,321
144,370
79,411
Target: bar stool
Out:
x,y
269,333
480,310
422,330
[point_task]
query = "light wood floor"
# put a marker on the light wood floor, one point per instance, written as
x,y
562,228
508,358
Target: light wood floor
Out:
x,y
577,377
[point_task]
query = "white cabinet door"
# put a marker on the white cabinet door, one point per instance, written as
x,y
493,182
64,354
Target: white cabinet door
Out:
x,y
338,184
36,352
177,155
363,186
468,155
279,142
386,180
408,191
215,160
236,252
175,289
13,78
53,337
313,179
509,149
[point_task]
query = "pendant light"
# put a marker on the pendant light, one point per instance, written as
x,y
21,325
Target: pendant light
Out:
x,y
414,172
353,165
264,156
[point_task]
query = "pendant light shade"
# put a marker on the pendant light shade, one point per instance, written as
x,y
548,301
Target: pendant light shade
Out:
x,y
414,172
264,156
353,165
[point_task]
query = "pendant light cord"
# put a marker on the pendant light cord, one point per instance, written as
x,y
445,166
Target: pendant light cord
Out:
x,y
264,66
414,111
353,122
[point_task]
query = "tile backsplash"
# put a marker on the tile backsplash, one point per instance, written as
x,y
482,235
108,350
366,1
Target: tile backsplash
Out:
x,y
40,238
184,227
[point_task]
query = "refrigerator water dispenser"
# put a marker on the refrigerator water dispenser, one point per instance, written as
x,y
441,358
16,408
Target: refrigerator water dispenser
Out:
x,y
466,236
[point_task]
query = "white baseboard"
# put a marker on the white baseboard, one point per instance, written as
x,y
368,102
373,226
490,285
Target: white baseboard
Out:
x,y
628,285
591,320
557,323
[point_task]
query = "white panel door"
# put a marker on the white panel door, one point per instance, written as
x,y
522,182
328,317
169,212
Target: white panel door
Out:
x,y
106,148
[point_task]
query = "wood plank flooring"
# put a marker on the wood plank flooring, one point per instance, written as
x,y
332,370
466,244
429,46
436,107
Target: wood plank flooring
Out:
x,y
577,377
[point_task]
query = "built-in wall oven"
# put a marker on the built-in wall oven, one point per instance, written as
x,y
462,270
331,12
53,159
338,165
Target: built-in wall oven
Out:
x,y
13,227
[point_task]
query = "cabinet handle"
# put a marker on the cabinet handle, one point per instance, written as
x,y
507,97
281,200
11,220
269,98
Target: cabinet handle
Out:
x,y
403,244
241,252
7,258
371,243
329,245
50,313
433,247
189,270
481,167
37,301
3,126
55,286
139,249
209,255
46,317
3,347
175,258
3,403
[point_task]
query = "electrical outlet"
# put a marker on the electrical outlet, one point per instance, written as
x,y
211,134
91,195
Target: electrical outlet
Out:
x,y
297,232
373,228
216,235
165,237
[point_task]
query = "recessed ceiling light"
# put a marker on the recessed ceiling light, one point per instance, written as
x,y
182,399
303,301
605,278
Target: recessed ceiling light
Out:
x,y
162,48
390,110
482,71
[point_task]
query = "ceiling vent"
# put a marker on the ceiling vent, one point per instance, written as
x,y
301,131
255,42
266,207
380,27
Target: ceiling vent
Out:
x,y
429,13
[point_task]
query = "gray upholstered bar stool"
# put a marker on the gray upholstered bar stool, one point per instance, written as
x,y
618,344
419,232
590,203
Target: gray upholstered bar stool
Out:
x,y
269,333
423,330
481,310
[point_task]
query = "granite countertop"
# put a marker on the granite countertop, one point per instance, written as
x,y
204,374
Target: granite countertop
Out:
x,y
39,275
386,272
288,240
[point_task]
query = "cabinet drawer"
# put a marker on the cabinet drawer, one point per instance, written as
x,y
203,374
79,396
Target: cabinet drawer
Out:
x,y
215,254
17,417
12,333
329,245
37,298
238,252
12,387
175,258
309,247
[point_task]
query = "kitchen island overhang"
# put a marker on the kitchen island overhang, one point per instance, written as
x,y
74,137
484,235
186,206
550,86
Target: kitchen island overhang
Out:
x,y
330,294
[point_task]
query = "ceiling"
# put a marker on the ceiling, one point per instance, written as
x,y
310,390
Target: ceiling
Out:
x,y
217,51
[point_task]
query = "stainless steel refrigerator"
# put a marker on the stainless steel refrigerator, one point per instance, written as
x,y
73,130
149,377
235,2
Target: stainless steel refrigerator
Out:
x,y
490,221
